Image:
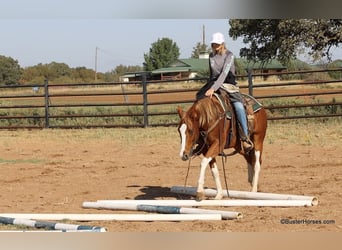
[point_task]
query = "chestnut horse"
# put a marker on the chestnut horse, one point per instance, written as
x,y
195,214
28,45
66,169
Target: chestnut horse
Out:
x,y
204,128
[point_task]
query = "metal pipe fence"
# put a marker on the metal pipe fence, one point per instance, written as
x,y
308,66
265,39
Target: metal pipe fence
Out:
x,y
153,103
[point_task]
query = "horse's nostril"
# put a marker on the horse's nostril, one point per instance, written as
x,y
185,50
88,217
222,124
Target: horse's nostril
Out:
x,y
185,157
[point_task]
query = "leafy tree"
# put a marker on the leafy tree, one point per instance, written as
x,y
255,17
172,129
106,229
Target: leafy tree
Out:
x,y
82,74
200,48
120,70
56,70
10,71
30,73
283,39
162,53
52,71
333,65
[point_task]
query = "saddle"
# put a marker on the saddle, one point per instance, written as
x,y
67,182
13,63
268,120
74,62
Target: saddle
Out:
x,y
251,106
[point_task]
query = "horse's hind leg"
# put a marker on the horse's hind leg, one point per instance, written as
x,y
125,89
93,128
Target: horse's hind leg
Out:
x,y
250,165
254,166
216,176
257,167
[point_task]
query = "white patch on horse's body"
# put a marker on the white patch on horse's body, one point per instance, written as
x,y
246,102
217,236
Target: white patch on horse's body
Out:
x,y
182,130
256,171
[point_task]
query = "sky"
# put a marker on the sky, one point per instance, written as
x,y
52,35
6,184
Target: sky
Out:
x,y
119,41
119,32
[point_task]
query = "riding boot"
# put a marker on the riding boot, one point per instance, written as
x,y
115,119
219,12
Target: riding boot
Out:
x,y
247,144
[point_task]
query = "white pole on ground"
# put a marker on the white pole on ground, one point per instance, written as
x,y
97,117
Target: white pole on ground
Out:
x,y
165,209
193,203
15,219
244,194
117,217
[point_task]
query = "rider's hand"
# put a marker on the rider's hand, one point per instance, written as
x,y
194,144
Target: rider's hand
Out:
x,y
209,92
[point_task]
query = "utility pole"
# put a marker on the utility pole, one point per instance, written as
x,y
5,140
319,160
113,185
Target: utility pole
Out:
x,y
96,48
203,35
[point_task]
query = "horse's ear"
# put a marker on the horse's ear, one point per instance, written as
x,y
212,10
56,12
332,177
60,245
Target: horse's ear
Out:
x,y
180,111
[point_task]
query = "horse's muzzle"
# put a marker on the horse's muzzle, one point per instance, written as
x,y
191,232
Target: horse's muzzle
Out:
x,y
185,157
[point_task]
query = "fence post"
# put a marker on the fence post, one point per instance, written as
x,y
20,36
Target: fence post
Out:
x,y
250,82
144,83
46,89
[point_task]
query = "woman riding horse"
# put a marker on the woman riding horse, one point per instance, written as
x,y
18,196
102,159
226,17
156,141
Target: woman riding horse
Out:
x,y
222,76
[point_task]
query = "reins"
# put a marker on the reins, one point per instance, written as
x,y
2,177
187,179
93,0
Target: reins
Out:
x,y
223,155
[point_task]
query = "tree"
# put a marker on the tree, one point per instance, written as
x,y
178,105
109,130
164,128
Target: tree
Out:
x,y
284,39
122,69
10,71
162,53
83,74
56,70
198,49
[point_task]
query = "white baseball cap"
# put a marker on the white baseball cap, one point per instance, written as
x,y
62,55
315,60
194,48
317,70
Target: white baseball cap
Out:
x,y
218,38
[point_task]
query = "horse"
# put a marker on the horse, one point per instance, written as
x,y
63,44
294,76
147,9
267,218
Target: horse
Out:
x,y
204,129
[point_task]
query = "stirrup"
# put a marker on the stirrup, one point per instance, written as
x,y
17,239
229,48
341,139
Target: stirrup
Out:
x,y
247,145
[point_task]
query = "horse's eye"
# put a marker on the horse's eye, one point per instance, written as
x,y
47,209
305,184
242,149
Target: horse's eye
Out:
x,y
191,132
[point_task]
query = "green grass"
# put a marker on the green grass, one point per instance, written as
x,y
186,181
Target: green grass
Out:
x,y
324,131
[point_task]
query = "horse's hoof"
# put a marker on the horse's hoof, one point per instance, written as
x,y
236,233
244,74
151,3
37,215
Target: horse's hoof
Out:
x,y
200,196
218,197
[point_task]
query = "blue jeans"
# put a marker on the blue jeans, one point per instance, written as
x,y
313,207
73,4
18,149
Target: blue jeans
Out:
x,y
241,116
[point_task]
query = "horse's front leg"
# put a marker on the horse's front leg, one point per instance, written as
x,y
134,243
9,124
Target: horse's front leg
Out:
x,y
216,176
200,187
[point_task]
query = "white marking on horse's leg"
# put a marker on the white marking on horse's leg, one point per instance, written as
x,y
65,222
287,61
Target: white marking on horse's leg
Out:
x,y
216,176
256,172
250,172
182,130
204,163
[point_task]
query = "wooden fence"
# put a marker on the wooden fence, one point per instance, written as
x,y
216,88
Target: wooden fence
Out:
x,y
289,95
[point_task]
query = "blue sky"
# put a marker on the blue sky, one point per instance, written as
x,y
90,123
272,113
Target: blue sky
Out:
x,y
69,31
119,41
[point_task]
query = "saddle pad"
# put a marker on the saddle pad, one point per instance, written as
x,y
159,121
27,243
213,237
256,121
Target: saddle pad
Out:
x,y
223,105
251,101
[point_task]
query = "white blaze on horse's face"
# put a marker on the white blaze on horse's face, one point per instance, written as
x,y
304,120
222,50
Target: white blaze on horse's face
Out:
x,y
182,130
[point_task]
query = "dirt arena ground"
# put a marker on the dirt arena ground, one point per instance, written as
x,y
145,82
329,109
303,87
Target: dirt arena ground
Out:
x,y
55,171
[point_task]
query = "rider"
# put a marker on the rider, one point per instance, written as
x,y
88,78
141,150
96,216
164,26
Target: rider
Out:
x,y
222,75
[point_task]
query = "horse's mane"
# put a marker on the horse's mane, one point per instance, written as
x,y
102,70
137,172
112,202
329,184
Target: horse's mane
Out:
x,y
206,110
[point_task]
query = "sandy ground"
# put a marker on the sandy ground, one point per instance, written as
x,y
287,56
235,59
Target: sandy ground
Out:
x,y
55,171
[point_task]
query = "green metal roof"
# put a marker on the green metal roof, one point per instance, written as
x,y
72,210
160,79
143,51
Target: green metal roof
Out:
x,y
170,70
183,65
195,65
